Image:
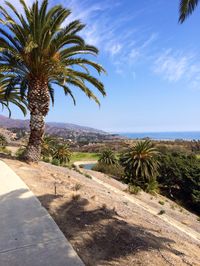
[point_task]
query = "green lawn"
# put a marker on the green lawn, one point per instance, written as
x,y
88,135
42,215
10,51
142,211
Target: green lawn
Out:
x,y
84,156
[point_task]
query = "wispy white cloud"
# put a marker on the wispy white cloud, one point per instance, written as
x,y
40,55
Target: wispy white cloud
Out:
x,y
175,66
117,37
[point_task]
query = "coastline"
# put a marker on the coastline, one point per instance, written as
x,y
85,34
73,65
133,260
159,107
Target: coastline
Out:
x,y
162,136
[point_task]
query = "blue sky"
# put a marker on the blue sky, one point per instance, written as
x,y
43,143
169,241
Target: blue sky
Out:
x,y
153,65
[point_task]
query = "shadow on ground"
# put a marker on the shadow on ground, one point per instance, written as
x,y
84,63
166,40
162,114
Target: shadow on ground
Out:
x,y
100,235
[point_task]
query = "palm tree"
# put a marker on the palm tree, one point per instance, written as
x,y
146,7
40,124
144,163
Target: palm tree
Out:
x,y
38,51
186,8
13,98
140,162
107,157
48,147
62,153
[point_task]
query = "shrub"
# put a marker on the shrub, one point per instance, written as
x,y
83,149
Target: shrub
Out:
x,y
152,186
133,189
114,170
161,212
5,150
3,141
55,162
88,176
180,178
20,152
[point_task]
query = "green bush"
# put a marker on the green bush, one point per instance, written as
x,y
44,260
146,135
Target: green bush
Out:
x,y
180,178
114,170
20,152
134,189
152,186
55,162
5,150
46,159
3,141
161,212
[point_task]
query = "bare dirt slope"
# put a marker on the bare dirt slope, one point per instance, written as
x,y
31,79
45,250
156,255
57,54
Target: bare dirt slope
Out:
x,y
105,227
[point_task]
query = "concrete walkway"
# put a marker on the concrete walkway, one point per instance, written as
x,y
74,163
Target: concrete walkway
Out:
x,y
28,235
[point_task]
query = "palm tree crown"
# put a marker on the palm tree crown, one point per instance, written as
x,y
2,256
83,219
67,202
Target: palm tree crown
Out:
x,y
38,52
140,162
107,157
186,9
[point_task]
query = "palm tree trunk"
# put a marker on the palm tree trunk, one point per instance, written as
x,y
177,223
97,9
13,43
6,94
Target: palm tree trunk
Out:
x,y
38,103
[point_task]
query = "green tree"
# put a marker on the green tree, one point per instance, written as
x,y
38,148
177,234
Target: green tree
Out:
x,y
3,141
140,163
48,147
187,7
62,153
107,157
39,50
179,174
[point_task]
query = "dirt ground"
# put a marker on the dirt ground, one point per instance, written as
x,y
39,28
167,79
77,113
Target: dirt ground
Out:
x,y
103,226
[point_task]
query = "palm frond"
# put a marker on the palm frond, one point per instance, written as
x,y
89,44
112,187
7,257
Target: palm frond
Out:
x,y
186,8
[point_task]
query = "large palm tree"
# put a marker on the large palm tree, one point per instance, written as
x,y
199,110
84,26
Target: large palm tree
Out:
x,y
38,51
186,8
140,162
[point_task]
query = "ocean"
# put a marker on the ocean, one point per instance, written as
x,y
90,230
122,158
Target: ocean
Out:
x,y
195,135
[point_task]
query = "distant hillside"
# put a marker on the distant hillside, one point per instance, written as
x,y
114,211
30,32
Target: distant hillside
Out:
x,y
51,127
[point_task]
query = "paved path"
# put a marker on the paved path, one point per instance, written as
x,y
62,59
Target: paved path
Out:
x,y
28,235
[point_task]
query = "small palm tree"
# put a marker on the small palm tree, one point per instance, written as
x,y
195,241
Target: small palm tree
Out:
x,y
187,7
62,153
40,51
140,162
48,147
107,157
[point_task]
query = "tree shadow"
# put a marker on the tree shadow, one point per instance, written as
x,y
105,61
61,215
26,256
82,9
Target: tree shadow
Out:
x,y
101,235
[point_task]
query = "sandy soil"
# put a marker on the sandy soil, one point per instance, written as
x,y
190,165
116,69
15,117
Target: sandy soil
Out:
x,y
106,228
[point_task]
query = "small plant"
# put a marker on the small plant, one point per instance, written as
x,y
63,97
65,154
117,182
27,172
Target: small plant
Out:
x,y
161,202
46,160
55,162
104,206
88,176
3,141
133,189
76,197
5,150
77,186
20,153
161,212
173,207
152,186
181,209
